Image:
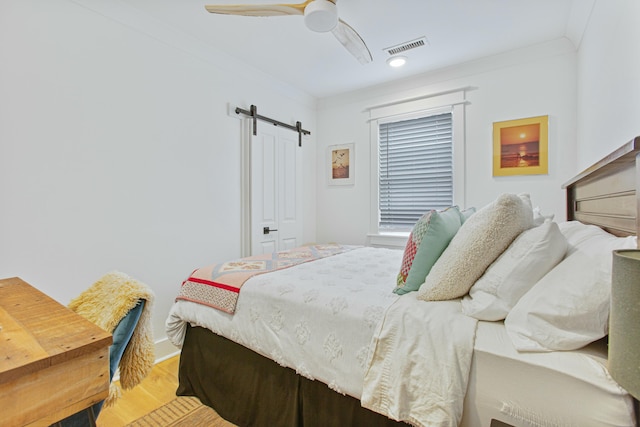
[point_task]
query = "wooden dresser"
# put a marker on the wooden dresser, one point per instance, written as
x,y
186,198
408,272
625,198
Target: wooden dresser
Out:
x,y
53,362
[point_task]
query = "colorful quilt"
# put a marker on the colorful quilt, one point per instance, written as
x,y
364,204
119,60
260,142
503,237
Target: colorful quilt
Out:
x,y
219,285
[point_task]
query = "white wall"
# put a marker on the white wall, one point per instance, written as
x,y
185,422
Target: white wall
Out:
x,y
539,80
608,80
116,149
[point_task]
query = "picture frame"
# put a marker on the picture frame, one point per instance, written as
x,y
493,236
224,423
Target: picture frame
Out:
x,y
520,147
341,164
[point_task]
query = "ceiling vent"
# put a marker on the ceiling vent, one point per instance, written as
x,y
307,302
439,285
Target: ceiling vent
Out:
x,y
394,50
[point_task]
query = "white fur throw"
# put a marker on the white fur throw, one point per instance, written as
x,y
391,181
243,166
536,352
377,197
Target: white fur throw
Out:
x,y
480,240
105,303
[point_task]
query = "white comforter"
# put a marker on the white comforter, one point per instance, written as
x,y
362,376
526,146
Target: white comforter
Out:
x,y
317,318
320,318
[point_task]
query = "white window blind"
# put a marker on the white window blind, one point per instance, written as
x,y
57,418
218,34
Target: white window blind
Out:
x,y
415,169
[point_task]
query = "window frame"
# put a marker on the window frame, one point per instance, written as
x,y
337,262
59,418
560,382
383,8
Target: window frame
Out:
x,y
453,102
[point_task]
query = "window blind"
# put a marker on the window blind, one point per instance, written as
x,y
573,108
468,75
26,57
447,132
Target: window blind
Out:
x,y
416,169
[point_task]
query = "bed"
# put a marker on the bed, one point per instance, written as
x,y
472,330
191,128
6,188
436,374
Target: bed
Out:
x,y
325,342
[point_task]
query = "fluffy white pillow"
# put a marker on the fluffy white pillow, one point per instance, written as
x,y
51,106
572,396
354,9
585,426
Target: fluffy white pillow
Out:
x,y
479,241
569,307
531,255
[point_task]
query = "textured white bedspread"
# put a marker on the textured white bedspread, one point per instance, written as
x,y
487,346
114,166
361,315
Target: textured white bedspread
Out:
x,y
323,319
317,318
420,362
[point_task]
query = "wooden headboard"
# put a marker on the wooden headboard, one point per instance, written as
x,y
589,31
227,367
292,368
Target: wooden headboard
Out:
x,y
605,194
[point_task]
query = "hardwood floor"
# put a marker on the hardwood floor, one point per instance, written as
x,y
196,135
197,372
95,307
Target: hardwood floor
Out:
x,y
159,388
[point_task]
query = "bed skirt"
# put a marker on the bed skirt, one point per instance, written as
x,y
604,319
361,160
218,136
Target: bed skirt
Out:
x,y
248,389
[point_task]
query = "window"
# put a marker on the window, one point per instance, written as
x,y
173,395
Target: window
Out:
x,y
415,169
417,162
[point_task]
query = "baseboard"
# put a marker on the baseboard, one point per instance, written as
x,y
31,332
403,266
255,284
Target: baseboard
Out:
x,y
165,350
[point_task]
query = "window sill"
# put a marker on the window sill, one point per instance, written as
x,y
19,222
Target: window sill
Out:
x,y
388,240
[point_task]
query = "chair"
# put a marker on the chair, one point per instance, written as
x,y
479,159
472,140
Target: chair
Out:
x,y
104,303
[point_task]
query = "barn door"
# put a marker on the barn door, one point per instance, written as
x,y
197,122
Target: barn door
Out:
x,y
276,222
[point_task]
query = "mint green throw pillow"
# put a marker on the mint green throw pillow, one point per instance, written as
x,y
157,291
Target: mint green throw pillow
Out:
x,y
432,233
465,214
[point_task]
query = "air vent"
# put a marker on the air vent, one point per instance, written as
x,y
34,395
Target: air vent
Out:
x,y
394,50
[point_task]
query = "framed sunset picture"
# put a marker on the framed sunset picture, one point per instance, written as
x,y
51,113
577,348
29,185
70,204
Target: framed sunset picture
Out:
x,y
520,147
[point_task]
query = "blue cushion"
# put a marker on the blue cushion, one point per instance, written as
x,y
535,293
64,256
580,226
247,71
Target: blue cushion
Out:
x,y
121,336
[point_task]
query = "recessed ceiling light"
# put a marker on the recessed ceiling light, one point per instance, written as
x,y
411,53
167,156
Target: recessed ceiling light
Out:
x,y
397,61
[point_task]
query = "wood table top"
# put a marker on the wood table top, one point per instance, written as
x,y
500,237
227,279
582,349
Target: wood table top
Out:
x,y
37,332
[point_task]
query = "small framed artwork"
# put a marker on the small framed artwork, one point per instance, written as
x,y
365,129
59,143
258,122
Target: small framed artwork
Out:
x,y
520,147
341,160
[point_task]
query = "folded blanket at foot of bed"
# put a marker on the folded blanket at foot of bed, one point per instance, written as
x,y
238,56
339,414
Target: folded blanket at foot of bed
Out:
x,y
218,285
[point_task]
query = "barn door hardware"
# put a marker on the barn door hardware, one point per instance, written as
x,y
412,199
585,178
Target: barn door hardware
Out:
x,y
253,113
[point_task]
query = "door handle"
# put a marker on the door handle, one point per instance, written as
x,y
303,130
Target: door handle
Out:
x,y
267,230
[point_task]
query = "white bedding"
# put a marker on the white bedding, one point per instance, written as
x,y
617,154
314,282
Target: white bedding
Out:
x,y
323,332
524,389
420,361
326,332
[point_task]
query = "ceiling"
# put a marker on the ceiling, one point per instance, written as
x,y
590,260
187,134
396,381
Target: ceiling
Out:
x,y
456,31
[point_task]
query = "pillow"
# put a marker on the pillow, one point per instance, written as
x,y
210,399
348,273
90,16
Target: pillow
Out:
x,y
578,233
539,218
466,213
569,307
531,255
428,239
480,240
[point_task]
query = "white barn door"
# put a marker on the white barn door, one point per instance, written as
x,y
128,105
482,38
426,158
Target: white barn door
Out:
x,y
276,222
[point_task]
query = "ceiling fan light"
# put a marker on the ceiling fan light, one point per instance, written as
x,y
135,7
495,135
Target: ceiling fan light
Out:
x,y
321,16
397,61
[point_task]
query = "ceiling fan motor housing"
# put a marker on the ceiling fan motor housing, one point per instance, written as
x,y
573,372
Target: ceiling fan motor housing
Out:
x,y
321,16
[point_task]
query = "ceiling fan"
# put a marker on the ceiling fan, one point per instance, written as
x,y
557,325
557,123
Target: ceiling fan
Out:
x,y
319,15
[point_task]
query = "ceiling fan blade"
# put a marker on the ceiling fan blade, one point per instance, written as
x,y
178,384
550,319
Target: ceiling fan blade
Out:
x,y
259,9
352,41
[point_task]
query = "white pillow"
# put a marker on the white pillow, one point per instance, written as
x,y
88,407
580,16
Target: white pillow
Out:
x,y
531,255
478,242
539,218
577,233
569,307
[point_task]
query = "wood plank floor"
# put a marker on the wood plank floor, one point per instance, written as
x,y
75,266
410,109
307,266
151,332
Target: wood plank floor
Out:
x,y
158,389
